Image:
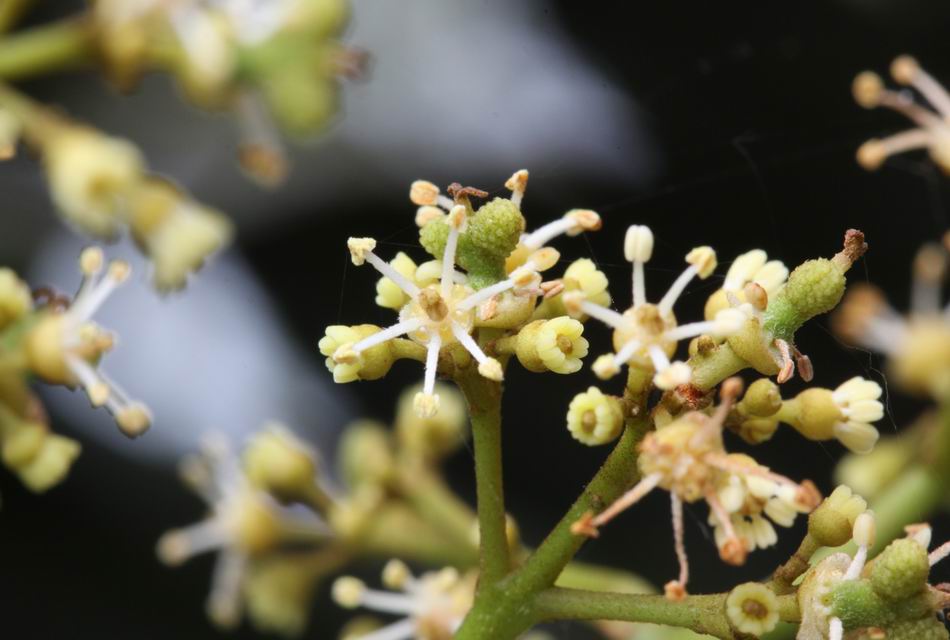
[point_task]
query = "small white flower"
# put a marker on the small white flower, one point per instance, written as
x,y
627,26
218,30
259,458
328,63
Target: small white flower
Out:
x,y
647,334
243,523
432,605
858,401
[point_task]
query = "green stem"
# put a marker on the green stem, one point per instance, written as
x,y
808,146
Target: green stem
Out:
x,y
785,576
507,610
51,47
700,613
436,503
712,368
484,406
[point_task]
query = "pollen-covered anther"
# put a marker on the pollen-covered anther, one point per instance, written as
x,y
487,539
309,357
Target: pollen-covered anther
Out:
x,y
584,526
605,367
426,405
704,259
905,69
733,551
756,295
427,213
359,247
491,369
423,192
674,591
867,89
457,218
517,184
584,220
678,373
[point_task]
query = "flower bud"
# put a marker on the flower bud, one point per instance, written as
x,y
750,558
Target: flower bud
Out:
x,y
278,591
552,345
177,233
371,364
50,464
752,608
278,462
762,399
594,418
832,523
15,297
813,288
435,437
900,571
365,454
89,174
388,293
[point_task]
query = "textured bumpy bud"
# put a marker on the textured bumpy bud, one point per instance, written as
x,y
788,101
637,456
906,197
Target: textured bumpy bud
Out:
x,y
900,571
552,345
929,628
594,418
752,608
832,523
492,234
813,288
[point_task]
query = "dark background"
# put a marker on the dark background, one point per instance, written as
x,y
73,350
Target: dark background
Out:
x,y
749,111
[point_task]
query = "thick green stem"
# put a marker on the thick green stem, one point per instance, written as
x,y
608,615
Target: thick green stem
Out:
x,y
507,609
52,47
484,406
712,368
701,613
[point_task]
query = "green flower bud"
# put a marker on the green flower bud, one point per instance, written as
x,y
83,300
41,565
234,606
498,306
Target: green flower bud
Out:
x,y
371,364
278,591
900,571
492,234
301,103
278,462
50,464
928,628
757,430
762,399
858,605
437,436
365,454
832,523
815,287
813,413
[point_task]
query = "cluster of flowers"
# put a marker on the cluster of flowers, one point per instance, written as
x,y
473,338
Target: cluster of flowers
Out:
x,y
50,337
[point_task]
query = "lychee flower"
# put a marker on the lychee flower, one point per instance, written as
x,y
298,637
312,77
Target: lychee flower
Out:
x,y
918,345
244,524
752,608
932,131
646,335
754,500
594,418
432,605
388,293
64,346
818,619
752,267
858,401
554,345
687,457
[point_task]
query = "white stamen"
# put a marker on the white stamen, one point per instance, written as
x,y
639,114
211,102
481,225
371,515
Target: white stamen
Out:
x,y
408,287
659,358
939,553
690,330
469,343
432,363
396,330
484,294
678,543
932,91
835,629
541,236
639,285
626,352
611,318
95,387
179,545
92,296
224,601
666,304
